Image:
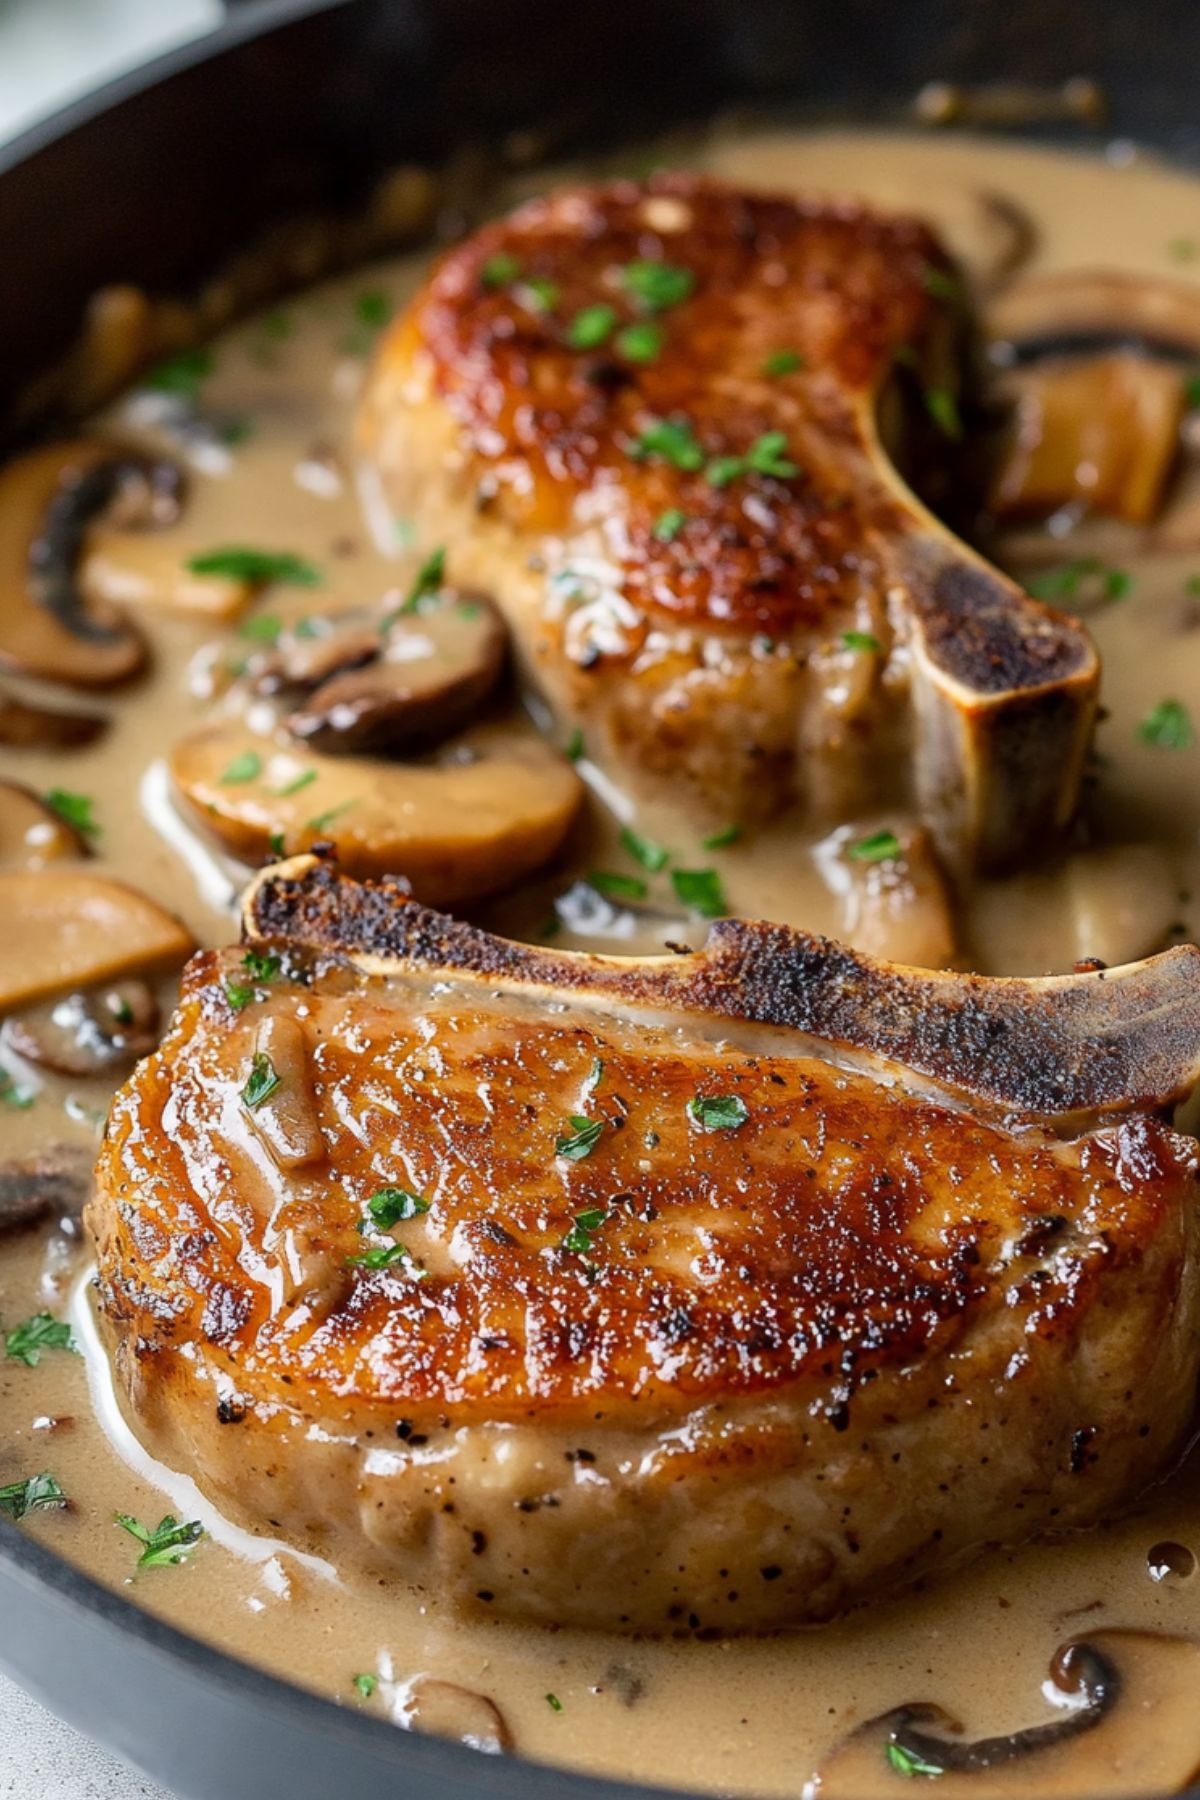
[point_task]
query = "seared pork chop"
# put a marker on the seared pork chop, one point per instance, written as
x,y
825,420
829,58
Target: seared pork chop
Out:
x,y
648,418
713,1292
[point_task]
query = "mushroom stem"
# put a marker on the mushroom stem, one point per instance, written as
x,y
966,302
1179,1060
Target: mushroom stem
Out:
x,y
1090,1686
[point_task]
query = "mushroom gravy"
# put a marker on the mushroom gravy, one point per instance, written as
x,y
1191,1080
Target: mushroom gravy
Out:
x,y
268,450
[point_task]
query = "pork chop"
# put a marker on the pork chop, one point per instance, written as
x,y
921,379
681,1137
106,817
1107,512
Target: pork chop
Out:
x,y
650,418
713,1292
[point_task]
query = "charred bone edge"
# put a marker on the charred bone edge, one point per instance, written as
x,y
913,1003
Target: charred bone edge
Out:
x,y
1004,694
1062,1049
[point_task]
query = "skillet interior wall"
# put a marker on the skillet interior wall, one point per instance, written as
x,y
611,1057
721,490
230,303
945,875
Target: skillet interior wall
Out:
x,y
298,107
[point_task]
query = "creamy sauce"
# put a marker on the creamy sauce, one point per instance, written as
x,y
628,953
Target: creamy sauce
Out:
x,y
743,1716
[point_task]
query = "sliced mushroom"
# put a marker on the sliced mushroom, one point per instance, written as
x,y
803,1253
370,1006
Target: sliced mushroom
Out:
x,y
48,501
424,677
25,727
1127,1724
52,1184
477,818
127,568
895,902
94,1031
444,1709
32,833
1095,362
68,928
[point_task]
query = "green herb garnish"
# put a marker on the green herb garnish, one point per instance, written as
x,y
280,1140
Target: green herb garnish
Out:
x,y
639,343
385,1256
538,294
25,1343
766,456
718,1112
591,327
275,844
581,1139
31,1495
499,270
245,767
261,1081
671,439
881,846
700,891
19,1098
1063,582
595,1076
239,562
721,840
942,407
74,809
182,374
366,1685
941,284
615,886
238,995
574,746
907,1762
782,362
652,856
579,1238
1168,726
669,524
429,579
861,640
656,286
296,784
322,821
168,1543
388,1205
262,628
554,1703
373,309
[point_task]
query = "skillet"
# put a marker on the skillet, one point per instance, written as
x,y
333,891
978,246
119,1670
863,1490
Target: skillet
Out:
x,y
296,105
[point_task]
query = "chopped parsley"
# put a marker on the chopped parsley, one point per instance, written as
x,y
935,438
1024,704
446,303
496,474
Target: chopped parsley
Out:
x,y
591,327
908,1762
275,844
700,891
373,309
239,995
366,1685
595,1076
499,271
652,856
167,1544
657,285
669,524
74,809
1168,726
388,1205
671,439
262,965
639,343
782,362
721,840
19,1098
262,628
245,767
861,640
1191,390
718,1112
323,820
429,579
239,562
1064,581
581,1139
766,456
881,846
261,1081
386,1256
294,786
183,374
538,294
25,1343
579,1238
554,1703
31,1495
615,886
941,284
575,745
942,407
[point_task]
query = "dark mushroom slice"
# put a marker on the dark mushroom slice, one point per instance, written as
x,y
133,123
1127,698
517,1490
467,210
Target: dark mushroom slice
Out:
x,y
32,833
26,727
49,500
432,669
66,928
1127,1723
1094,367
444,1709
93,1031
54,1183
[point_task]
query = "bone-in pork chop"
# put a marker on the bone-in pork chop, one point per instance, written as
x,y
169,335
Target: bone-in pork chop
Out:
x,y
710,1292
650,419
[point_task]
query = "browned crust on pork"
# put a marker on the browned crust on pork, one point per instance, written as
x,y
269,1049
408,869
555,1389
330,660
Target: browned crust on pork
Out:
x,y
1110,1041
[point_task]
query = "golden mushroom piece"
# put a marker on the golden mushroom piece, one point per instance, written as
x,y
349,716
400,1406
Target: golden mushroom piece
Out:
x,y
32,833
67,928
477,817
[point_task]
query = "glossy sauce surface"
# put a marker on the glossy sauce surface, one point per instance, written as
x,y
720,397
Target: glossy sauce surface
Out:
x,y
740,1716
